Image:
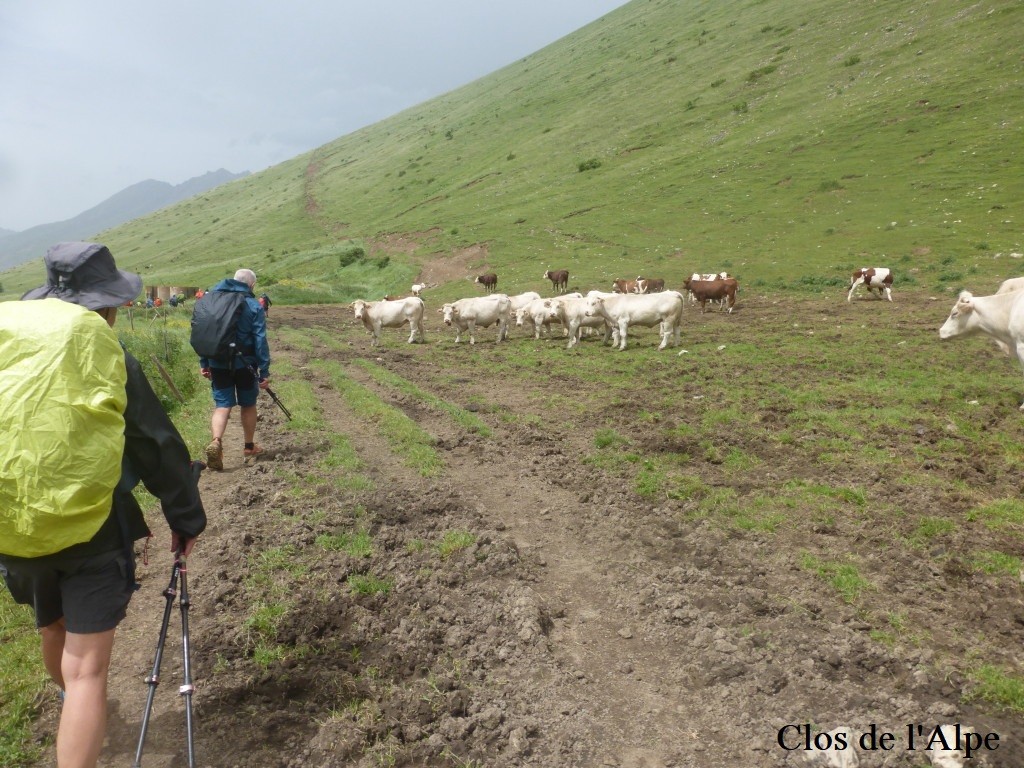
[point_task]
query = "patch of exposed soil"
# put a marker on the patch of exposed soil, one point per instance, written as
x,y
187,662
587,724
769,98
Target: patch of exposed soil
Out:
x,y
438,268
583,625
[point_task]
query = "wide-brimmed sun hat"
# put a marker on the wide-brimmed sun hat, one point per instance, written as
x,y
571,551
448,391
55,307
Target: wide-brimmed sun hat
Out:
x,y
85,274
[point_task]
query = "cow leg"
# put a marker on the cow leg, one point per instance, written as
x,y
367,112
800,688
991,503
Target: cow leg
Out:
x,y
502,329
574,334
623,325
888,293
671,332
849,296
471,327
665,332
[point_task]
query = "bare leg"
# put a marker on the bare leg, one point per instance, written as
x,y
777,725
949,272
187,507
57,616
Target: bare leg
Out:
x,y
83,720
52,637
249,422
219,422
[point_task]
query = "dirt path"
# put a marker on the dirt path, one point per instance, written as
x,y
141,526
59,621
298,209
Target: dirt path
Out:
x,y
577,625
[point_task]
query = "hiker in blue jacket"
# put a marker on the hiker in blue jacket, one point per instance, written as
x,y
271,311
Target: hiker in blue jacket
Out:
x,y
233,383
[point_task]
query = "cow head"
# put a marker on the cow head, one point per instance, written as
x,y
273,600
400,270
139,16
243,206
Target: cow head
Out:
x,y
550,309
959,319
594,306
450,312
359,306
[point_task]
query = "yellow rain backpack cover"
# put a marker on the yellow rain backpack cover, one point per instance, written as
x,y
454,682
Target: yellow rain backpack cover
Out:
x,y
62,402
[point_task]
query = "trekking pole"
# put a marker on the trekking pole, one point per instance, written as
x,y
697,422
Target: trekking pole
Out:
x,y
154,678
268,390
187,688
277,401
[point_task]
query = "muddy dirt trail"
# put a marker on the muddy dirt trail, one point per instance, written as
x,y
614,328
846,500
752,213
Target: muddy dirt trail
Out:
x,y
517,604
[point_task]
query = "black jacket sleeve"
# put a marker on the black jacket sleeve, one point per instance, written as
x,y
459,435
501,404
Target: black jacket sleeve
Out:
x,y
157,455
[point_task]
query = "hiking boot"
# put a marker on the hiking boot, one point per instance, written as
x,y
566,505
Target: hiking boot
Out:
x,y
215,455
250,452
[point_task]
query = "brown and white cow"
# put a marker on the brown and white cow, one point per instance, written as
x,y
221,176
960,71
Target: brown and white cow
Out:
x,y
649,284
622,285
706,276
722,290
489,281
559,278
875,278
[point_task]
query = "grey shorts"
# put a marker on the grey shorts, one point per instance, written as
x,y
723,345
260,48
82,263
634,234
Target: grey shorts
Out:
x,y
90,592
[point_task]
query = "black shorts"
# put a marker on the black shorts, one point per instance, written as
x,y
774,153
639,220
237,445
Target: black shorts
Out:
x,y
90,592
234,387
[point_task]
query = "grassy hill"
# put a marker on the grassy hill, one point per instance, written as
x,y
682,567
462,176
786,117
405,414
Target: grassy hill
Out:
x,y
786,142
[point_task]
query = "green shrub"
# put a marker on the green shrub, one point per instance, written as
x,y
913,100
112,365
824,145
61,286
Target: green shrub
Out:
x,y
350,254
588,165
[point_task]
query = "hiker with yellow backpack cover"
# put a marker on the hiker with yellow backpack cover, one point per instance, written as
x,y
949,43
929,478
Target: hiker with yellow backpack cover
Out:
x,y
82,427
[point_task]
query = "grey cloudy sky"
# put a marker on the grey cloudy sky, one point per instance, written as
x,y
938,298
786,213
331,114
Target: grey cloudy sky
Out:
x,y
96,96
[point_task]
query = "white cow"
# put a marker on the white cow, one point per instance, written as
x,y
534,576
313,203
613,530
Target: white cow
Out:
x,y
417,288
1011,285
1000,316
483,311
376,315
664,309
520,300
578,313
541,313
623,310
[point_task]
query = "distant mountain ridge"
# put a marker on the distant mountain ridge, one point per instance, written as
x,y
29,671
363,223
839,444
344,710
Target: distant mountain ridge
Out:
x,y
128,204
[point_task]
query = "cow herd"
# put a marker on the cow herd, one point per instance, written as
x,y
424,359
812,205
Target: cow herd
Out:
x,y
641,302
644,302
